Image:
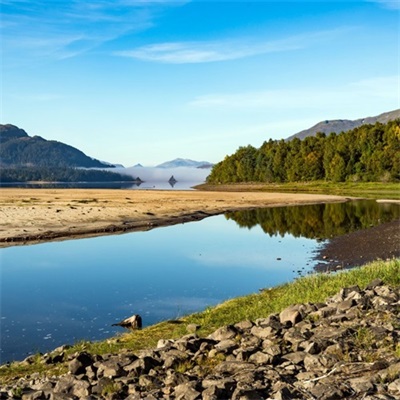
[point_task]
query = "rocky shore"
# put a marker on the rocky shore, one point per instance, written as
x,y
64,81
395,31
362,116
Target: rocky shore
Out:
x,y
360,247
347,347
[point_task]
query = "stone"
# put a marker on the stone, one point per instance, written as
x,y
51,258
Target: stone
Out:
x,y
323,391
373,284
290,314
296,357
244,325
191,328
33,395
226,332
214,393
316,357
260,358
110,369
262,332
240,394
141,366
361,385
79,363
394,388
227,345
187,391
232,367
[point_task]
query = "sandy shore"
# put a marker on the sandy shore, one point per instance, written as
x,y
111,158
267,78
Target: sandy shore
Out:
x,y
37,215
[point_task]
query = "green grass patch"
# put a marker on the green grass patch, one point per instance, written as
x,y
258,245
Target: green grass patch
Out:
x,y
373,190
311,288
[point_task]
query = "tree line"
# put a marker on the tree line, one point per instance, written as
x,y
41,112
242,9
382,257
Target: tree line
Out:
x,y
369,153
60,174
313,221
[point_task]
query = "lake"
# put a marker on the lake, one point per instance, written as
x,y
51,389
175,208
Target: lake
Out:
x,y
152,185
61,292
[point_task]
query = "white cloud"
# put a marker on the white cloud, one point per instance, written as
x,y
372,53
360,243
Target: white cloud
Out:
x,y
390,4
379,87
66,29
223,50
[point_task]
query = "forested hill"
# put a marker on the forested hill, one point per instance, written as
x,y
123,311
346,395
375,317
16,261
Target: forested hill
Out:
x,y
18,149
367,153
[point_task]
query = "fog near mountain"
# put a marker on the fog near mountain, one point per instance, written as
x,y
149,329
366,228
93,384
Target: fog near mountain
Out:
x,y
154,174
185,162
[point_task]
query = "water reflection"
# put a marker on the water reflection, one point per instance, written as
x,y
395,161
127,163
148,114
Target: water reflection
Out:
x,y
317,220
62,292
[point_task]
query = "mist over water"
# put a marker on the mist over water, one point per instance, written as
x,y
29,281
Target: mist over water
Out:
x,y
153,174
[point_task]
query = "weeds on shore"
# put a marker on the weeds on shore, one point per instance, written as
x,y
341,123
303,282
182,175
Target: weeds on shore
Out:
x,y
311,288
373,190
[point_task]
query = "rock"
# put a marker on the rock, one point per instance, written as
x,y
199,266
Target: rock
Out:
x,y
260,358
226,332
191,328
240,394
361,385
320,351
290,314
323,391
187,391
141,366
79,363
394,388
110,369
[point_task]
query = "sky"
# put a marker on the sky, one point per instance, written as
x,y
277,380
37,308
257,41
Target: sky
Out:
x,y
141,81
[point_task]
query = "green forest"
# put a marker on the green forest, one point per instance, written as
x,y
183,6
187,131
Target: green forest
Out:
x,y
369,153
313,221
60,174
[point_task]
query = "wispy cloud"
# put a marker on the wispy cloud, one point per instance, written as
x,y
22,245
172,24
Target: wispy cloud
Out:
x,y
390,4
224,50
379,87
36,29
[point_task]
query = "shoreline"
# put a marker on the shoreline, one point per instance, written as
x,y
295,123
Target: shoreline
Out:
x,y
31,216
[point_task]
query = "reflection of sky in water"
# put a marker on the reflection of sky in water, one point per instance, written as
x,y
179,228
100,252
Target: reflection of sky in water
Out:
x,y
61,292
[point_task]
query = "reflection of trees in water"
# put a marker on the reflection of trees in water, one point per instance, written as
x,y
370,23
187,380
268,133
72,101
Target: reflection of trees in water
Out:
x,y
317,220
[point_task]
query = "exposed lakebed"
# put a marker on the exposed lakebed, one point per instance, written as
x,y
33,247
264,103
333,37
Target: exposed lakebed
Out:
x,y
62,292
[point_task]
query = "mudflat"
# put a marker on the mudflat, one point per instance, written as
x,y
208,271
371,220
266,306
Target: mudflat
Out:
x,y
37,215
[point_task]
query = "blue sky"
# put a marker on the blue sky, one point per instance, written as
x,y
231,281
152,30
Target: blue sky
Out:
x,y
131,81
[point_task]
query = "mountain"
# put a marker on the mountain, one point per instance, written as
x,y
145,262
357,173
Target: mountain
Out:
x,y
184,162
344,125
18,149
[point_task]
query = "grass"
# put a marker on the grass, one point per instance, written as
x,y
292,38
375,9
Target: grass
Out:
x,y
312,288
373,190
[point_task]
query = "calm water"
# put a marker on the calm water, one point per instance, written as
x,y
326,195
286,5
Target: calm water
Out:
x,y
158,185
61,292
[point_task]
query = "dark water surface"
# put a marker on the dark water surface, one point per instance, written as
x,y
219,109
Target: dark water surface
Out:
x,y
62,292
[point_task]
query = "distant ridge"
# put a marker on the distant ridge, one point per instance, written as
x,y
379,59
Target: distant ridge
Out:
x,y
184,162
18,149
344,125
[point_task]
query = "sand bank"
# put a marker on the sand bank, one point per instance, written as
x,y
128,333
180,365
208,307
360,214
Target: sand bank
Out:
x,y
37,215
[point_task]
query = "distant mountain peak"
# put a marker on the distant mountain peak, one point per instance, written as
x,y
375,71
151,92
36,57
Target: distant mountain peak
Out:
x,y
184,162
344,125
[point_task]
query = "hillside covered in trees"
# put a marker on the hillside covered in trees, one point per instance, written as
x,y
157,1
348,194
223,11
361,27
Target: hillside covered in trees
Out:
x,y
369,153
60,174
18,149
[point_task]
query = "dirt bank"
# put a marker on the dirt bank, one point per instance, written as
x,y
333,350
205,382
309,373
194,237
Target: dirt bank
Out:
x,y
37,215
